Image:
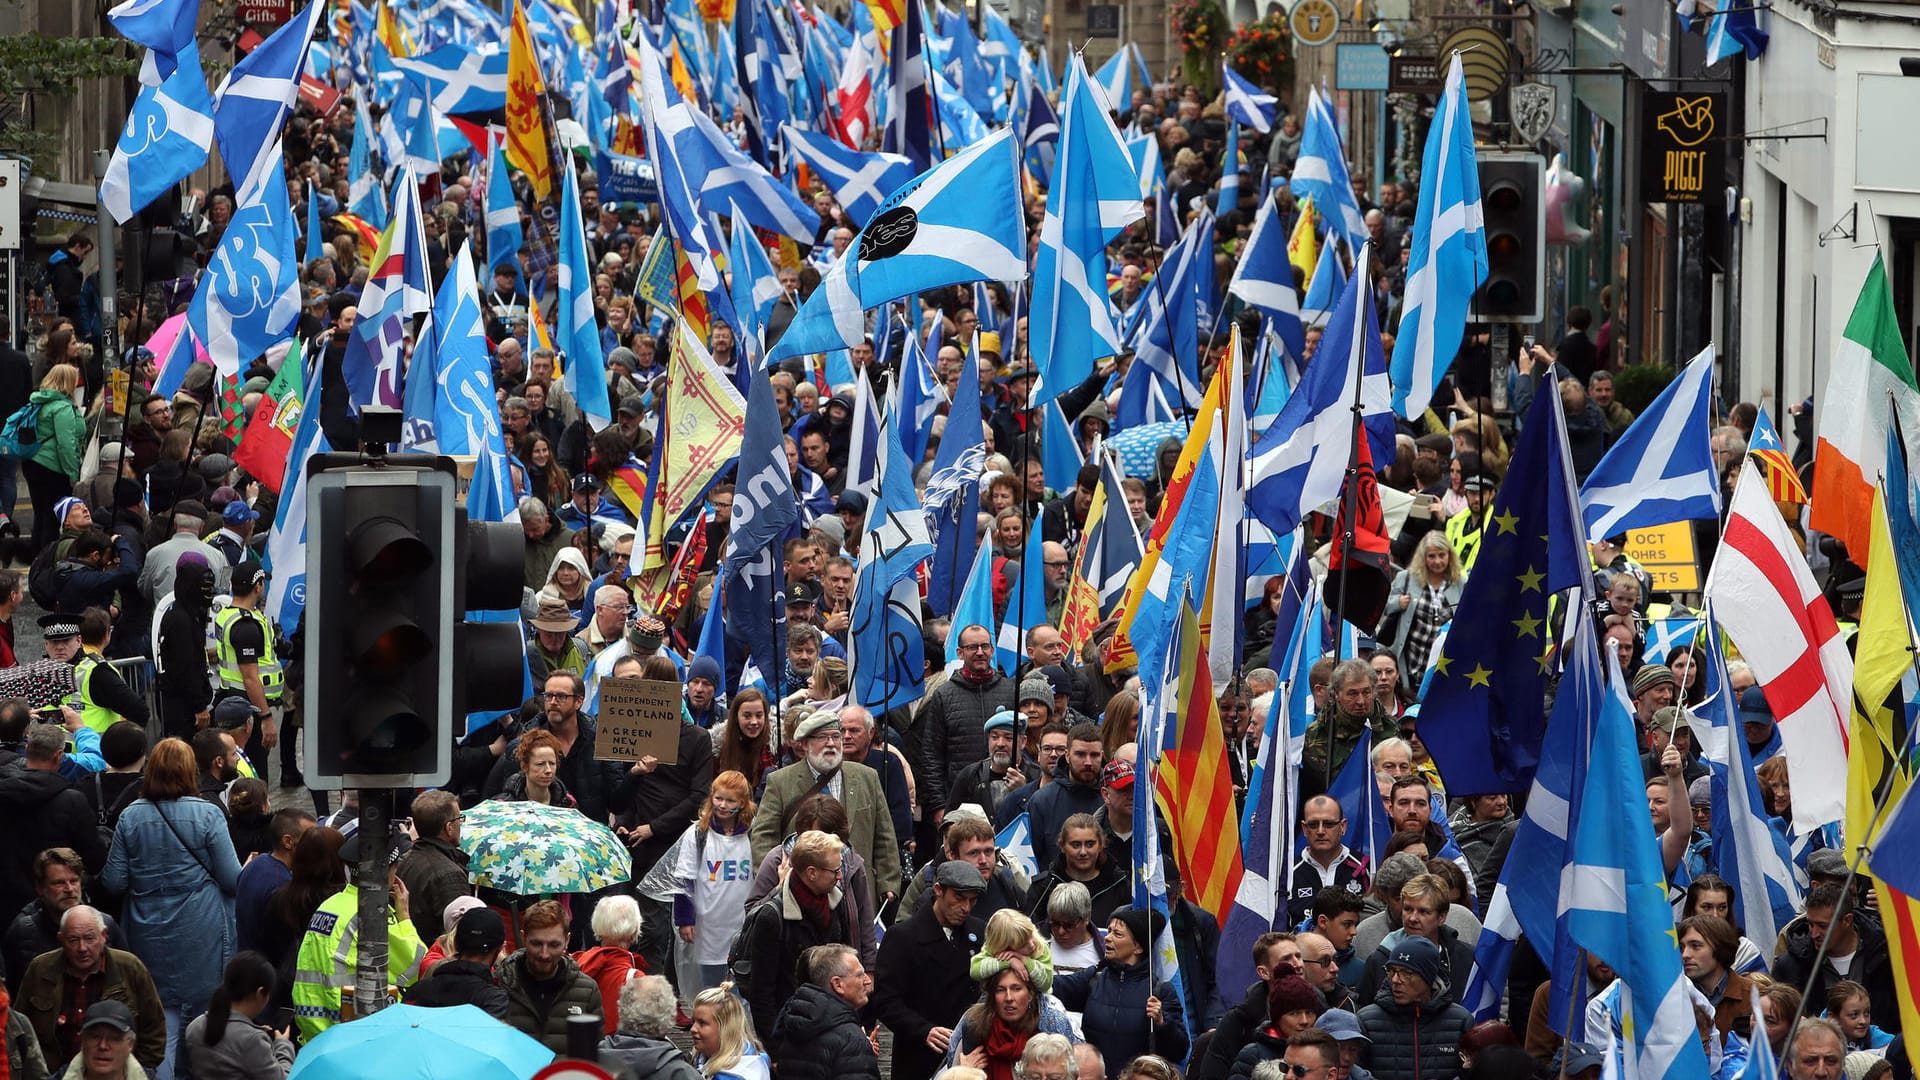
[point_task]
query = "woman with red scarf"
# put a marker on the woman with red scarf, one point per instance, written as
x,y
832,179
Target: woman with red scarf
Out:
x,y
994,1032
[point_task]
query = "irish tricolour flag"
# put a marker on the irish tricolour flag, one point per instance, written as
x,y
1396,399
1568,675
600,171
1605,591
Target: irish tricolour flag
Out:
x,y
1871,379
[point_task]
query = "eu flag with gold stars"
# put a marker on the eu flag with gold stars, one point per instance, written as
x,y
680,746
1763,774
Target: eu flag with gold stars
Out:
x,y
1485,714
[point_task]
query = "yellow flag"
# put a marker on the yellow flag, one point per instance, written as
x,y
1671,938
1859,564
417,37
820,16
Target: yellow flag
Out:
x,y
526,133
707,418
1303,247
391,33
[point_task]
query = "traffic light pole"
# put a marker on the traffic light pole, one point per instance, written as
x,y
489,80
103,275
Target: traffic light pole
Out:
x,y
370,973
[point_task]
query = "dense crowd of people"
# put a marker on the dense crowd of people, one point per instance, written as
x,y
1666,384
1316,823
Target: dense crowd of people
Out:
x,y
805,872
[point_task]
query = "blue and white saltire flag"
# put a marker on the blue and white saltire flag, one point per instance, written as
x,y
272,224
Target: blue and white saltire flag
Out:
x,y
461,78
1737,26
952,501
257,96
1246,102
1144,399
1749,853
398,289
678,191
755,289
884,625
962,220
1147,163
712,642
1159,732
575,333
920,398
909,108
1668,634
1616,896
1264,276
974,606
1122,74
860,181
462,371
1321,172
1060,454
1227,611
287,542
1761,1064
249,297
503,217
1449,259
1527,896
168,133
1357,790
763,507
1016,843
1041,138
1328,285
1166,337
729,176
1228,197
960,125
867,440
1661,468
1301,462
366,199
165,28
421,148
313,240
1094,199
1026,607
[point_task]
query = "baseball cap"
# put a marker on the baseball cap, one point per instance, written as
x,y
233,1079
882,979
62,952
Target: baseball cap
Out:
x,y
479,930
232,711
1117,775
113,1014
239,513
1576,1057
249,573
802,593
1669,717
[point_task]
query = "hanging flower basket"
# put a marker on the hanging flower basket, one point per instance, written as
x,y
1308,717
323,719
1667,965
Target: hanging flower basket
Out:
x,y
1262,53
1200,28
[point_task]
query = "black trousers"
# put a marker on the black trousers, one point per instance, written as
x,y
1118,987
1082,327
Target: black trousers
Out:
x,y
45,487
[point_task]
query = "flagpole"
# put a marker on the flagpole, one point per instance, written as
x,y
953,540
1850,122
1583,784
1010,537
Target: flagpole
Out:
x,y
1349,496
1573,1008
1179,376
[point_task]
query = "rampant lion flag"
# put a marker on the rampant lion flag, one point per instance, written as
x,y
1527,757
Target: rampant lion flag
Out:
x,y
527,147
704,423
1303,247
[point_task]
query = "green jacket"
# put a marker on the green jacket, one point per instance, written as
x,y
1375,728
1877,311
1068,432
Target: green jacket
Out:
x,y
1316,777
62,433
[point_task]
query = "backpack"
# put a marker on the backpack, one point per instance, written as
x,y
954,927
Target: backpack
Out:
x,y
739,962
48,576
20,435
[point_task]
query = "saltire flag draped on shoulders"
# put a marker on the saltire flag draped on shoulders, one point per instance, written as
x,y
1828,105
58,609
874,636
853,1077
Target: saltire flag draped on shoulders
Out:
x,y
1247,103
961,221
1094,198
860,181
1616,894
1320,172
1490,682
1661,469
887,658
527,146
1782,478
1449,259
763,507
1870,367
169,129
1766,600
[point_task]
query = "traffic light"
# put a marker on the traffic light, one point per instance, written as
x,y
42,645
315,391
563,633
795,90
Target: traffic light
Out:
x,y
1513,205
381,612
491,657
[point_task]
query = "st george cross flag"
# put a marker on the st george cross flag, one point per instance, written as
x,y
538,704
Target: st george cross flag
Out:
x,y
1320,172
1247,103
1766,600
1616,894
860,181
249,298
1661,468
1094,198
1449,259
962,220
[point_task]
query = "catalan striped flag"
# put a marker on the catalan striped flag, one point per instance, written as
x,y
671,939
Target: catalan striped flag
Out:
x,y
1194,784
887,14
391,34
694,312
1782,479
628,483
366,238
537,324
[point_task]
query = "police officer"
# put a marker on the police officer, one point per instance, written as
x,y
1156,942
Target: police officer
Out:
x,y
101,696
329,951
248,665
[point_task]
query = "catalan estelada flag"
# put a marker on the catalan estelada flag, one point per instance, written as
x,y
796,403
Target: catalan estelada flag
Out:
x,y
1194,784
1782,479
527,146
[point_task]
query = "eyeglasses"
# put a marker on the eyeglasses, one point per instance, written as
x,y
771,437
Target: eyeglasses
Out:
x,y
1325,961
558,695
978,646
1303,1070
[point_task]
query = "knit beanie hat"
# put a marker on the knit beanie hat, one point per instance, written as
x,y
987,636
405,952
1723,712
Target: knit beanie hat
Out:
x,y
1139,927
1290,994
1418,955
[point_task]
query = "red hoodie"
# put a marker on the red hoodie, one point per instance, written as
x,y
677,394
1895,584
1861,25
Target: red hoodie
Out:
x,y
610,967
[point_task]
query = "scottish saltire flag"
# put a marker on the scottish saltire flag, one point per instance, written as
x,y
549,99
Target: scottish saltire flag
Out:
x,y
960,221
1369,826
755,289
1167,337
1661,468
973,606
398,288
1300,464
1094,198
312,237
1320,172
365,198
249,297
1247,103
678,191
1484,705
1026,607
1122,74
1264,276
1224,601
960,125
1159,732
1145,151
1228,198
920,397
884,625
164,27
1449,259
860,181
503,216
463,417
287,542
257,96
461,78
168,133
1736,27
909,130
867,441
1527,896
1748,852
1616,895
1668,634
764,506
1040,137
575,333
1016,843
1060,455
728,176
1328,284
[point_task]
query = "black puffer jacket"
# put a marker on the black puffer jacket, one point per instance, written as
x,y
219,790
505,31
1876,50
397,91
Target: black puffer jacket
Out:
x,y
460,982
1112,1001
42,810
1414,1042
1263,1044
579,996
1235,1028
818,1037
952,730
649,1058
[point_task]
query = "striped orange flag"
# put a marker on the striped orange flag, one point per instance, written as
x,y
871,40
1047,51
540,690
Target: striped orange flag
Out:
x,y
1193,783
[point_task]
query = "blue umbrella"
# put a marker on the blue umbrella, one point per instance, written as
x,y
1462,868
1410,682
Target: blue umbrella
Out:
x,y
1137,446
407,1042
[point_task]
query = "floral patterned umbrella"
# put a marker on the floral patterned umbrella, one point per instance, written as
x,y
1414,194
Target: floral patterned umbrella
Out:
x,y
529,849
